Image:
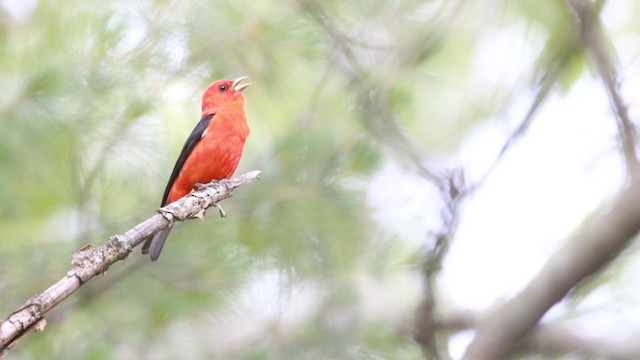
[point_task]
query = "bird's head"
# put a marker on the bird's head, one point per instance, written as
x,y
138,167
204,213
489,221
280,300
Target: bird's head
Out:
x,y
222,93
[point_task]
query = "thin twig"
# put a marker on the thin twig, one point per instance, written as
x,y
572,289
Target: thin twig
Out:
x,y
553,61
593,38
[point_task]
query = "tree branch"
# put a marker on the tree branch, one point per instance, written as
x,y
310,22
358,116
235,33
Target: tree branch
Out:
x,y
593,37
589,251
91,261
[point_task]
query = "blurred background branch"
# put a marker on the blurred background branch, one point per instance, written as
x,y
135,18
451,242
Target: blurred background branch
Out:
x,y
601,240
603,55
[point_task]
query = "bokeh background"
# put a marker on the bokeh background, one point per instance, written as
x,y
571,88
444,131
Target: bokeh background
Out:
x,y
369,120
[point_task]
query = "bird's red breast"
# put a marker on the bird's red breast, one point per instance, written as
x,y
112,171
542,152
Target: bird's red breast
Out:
x,y
216,155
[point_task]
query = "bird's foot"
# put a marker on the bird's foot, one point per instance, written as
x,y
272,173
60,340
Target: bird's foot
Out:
x,y
217,183
225,182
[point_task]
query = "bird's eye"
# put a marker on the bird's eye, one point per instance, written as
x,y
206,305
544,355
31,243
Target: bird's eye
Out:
x,y
222,87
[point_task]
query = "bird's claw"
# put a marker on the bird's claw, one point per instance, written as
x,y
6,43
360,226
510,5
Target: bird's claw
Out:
x,y
222,182
225,182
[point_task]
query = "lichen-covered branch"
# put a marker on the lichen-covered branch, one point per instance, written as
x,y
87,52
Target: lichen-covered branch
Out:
x,y
91,261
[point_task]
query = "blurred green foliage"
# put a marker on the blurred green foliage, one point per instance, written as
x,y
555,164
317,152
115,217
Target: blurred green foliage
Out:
x,y
97,99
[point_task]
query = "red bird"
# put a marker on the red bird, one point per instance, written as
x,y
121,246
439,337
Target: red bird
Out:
x,y
211,152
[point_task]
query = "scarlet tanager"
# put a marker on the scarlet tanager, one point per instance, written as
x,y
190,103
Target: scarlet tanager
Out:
x,y
211,152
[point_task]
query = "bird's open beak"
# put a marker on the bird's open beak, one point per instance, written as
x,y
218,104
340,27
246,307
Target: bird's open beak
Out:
x,y
236,86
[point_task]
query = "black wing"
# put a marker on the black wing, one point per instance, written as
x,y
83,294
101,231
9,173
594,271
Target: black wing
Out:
x,y
191,142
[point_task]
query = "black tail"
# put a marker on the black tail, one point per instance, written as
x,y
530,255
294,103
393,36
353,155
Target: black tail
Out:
x,y
153,245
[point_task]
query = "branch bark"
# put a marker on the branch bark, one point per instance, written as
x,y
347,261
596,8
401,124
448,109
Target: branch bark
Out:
x,y
91,261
